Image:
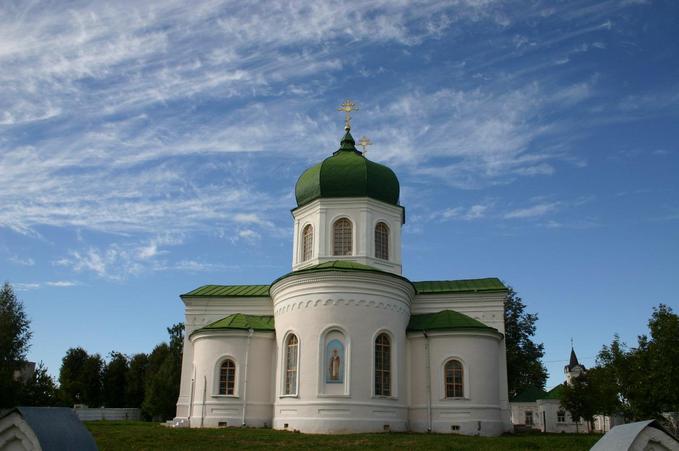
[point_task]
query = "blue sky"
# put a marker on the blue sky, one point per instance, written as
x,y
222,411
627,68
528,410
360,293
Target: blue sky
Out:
x,y
147,148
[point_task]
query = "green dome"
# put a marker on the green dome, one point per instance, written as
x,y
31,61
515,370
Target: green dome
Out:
x,y
347,173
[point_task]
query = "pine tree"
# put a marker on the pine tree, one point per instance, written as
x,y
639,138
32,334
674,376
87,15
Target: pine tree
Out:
x,y
15,335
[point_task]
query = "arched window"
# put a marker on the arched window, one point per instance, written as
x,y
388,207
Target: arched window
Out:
x,y
382,365
307,242
291,353
342,237
453,377
227,377
382,241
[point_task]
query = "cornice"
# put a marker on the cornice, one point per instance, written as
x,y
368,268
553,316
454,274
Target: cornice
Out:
x,y
216,333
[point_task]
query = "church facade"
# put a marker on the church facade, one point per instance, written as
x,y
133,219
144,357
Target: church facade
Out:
x,y
344,342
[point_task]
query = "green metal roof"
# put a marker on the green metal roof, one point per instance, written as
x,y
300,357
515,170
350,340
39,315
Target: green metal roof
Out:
x,y
241,291
239,321
555,393
347,173
445,320
342,266
490,284
530,394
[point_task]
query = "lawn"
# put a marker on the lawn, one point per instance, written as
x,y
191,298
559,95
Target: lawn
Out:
x,y
111,435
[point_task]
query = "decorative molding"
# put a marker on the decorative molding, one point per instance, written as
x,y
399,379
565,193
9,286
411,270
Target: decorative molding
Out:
x,y
310,304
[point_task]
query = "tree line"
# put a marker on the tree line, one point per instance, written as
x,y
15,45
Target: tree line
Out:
x,y
639,382
146,381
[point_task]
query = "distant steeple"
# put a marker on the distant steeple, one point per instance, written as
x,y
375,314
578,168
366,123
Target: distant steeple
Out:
x,y
574,368
574,359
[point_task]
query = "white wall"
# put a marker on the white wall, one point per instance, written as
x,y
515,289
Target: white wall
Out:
x,y
108,413
209,408
364,213
487,308
361,306
479,411
546,410
200,312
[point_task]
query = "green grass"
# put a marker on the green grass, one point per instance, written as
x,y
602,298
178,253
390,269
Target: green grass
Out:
x,y
111,435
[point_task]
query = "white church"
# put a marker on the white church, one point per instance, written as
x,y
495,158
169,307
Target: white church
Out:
x,y
344,342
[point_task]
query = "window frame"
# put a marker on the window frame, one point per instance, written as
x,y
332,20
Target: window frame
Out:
x,y
216,385
528,414
389,370
287,367
350,237
387,238
561,416
310,248
463,378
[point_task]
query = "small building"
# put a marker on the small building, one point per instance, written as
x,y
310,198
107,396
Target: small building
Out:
x,y
541,410
44,429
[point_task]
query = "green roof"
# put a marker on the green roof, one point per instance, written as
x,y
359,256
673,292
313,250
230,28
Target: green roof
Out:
x,y
342,266
445,320
490,284
347,173
530,394
241,291
239,321
555,393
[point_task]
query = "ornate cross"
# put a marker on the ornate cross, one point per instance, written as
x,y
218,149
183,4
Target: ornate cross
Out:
x,y
347,107
364,142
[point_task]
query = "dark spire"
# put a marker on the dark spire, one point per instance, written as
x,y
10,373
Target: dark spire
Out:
x,y
574,360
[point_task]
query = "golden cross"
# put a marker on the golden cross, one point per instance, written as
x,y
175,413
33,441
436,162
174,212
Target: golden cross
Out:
x,y
363,142
347,107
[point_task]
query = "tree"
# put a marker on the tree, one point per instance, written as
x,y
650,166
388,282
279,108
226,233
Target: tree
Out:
x,y
114,380
156,399
524,368
663,362
80,378
604,391
578,398
163,376
15,336
40,389
136,380
645,378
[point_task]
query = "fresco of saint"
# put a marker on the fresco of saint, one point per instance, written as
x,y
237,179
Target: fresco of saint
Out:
x,y
335,362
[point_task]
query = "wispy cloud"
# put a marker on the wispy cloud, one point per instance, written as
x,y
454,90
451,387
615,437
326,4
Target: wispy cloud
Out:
x,y
533,211
62,283
19,286
36,285
122,66
471,213
22,261
477,137
140,119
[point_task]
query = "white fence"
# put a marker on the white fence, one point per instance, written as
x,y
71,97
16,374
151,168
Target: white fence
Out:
x,y
108,413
